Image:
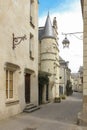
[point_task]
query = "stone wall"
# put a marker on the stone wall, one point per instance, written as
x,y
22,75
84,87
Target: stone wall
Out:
x,y
15,18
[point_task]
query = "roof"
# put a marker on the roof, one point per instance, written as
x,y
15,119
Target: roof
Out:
x,y
47,31
61,61
41,30
81,69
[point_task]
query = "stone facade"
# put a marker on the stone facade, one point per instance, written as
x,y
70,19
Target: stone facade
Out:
x,y
84,13
64,75
80,72
77,80
18,63
49,56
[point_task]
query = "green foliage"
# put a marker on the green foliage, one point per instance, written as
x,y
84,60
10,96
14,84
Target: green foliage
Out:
x,y
63,97
57,99
69,88
43,80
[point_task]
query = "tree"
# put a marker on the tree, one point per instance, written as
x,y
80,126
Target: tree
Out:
x,y
69,90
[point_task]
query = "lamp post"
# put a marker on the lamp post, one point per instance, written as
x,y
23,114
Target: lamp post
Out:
x,y
66,42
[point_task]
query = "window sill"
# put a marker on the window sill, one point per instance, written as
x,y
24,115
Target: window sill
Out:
x,y
14,102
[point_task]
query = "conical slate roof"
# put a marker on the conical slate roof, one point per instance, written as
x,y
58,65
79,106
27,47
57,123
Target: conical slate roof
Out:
x,y
48,29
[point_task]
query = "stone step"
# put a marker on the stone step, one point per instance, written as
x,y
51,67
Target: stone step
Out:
x,y
30,108
29,104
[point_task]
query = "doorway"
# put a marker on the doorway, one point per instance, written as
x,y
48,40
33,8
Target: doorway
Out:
x,y
27,88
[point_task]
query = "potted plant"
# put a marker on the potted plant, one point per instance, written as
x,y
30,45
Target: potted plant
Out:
x,y
63,97
57,99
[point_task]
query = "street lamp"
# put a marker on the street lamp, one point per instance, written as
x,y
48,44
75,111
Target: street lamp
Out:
x,y
66,42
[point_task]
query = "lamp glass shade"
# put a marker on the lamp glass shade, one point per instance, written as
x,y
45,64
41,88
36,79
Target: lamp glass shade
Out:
x,y
65,42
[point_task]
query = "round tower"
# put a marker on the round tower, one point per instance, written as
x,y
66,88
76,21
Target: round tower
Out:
x,y
49,57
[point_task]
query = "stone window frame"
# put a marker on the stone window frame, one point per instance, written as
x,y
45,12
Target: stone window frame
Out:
x,y
10,67
9,84
31,46
32,15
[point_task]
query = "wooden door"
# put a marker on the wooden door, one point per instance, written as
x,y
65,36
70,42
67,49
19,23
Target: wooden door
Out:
x,y
27,88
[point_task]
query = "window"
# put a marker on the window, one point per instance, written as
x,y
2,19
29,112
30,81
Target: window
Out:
x,y
60,77
9,84
31,46
32,13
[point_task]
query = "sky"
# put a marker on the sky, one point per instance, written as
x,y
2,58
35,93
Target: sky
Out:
x,y
69,20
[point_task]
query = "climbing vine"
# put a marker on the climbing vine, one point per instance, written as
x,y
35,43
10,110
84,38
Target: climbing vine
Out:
x,y
43,80
69,88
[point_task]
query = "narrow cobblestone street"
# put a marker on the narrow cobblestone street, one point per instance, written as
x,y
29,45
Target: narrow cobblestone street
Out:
x,y
57,116
66,111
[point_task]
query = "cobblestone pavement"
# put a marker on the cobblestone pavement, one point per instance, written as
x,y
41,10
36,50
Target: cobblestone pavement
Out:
x,y
66,111
50,117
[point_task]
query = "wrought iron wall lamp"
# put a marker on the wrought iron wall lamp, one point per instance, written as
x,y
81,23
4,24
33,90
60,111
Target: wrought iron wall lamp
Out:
x,y
66,42
17,40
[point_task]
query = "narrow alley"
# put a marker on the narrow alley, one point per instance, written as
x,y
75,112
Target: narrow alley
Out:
x,y
66,111
57,116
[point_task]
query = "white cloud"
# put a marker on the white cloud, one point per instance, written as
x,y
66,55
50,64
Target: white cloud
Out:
x,y
69,21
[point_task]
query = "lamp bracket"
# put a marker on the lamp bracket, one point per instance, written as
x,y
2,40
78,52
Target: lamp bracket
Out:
x,y
66,42
18,40
71,33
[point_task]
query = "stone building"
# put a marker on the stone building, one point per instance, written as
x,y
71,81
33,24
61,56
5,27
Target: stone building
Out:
x,y
83,115
77,80
64,75
18,55
80,72
48,60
